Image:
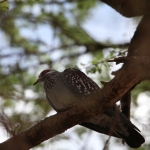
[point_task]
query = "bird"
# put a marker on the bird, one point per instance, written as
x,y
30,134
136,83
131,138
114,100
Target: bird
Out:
x,y
72,85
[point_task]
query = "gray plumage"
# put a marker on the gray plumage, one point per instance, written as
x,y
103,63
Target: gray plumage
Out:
x,y
72,85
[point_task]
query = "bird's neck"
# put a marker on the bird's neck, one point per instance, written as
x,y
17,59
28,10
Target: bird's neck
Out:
x,y
50,80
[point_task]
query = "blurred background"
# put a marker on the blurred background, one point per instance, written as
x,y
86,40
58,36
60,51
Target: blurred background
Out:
x,y
41,34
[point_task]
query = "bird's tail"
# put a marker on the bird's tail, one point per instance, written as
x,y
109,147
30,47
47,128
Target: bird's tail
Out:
x,y
134,139
114,123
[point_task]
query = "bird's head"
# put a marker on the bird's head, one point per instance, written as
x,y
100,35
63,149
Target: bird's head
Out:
x,y
43,75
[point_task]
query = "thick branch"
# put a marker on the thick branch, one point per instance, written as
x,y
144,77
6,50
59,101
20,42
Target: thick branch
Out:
x,y
140,43
130,8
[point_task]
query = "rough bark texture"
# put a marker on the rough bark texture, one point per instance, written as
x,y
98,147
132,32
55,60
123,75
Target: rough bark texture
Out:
x,y
135,69
130,8
140,43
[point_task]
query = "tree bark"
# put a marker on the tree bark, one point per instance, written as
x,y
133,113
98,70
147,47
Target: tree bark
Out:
x,y
130,8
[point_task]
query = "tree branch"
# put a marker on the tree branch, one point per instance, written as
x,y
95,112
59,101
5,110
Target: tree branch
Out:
x,y
130,8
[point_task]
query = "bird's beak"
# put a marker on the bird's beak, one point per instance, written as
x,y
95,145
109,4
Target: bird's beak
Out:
x,y
38,80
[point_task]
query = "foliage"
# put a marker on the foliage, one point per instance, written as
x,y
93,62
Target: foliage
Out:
x,y
24,53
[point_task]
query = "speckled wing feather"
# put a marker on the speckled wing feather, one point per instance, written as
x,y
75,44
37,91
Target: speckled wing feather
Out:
x,y
78,82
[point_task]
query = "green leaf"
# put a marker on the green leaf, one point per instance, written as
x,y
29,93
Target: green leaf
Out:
x,y
4,6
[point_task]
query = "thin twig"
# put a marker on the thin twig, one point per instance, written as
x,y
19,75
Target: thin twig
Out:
x,y
106,143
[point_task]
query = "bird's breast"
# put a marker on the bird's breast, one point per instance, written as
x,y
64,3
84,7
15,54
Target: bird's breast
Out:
x,y
60,96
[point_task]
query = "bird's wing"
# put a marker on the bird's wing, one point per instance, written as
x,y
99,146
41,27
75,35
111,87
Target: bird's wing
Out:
x,y
102,124
78,82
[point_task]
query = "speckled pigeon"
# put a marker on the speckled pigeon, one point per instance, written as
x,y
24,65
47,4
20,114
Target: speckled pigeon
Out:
x,y
72,85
